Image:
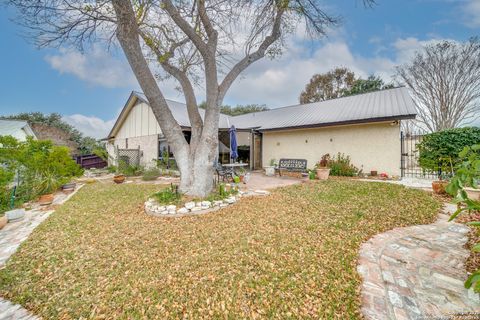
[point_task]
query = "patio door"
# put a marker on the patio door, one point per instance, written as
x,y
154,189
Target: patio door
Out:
x,y
257,151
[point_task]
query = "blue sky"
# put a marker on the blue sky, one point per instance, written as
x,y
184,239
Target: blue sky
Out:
x,y
89,89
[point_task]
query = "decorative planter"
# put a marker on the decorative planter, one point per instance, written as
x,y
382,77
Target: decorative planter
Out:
x,y
241,178
46,199
473,194
373,173
3,221
439,186
119,178
323,173
269,171
69,187
15,214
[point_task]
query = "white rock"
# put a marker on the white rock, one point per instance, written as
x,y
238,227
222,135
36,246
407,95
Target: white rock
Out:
x,y
223,205
164,212
189,205
217,203
162,208
182,210
206,203
230,200
196,209
262,192
198,204
172,208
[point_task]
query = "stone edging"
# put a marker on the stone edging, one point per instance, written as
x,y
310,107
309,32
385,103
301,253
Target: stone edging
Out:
x,y
195,208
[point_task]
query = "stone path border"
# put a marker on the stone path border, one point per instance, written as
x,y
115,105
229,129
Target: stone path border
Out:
x,y
11,236
417,272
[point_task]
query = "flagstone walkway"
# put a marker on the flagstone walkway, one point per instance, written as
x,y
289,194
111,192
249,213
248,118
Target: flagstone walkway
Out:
x,y
11,236
417,272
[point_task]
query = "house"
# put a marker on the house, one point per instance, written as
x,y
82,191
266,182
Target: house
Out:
x,y
16,128
366,127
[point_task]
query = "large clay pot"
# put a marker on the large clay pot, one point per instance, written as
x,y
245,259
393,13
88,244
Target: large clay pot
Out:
x,y
439,187
473,194
323,173
269,171
3,221
119,178
46,199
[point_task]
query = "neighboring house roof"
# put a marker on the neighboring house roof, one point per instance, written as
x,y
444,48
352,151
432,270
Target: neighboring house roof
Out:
x,y
377,106
18,129
383,105
58,136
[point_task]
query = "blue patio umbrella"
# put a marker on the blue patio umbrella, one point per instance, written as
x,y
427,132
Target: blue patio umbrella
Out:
x,y
233,142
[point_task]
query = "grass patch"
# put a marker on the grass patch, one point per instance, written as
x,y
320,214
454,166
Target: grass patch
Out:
x,y
291,254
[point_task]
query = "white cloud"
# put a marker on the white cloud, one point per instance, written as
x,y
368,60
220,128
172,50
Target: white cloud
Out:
x,y
471,10
90,126
279,82
97,67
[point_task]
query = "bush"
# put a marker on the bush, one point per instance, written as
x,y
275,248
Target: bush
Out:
x,y
168,196
341,166
151,174
437,150
41,167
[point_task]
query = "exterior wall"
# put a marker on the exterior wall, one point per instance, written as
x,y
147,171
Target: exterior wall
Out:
x,y
140,128
370,146
139,122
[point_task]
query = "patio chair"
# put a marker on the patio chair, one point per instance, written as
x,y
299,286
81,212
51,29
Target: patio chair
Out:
x,y
223,172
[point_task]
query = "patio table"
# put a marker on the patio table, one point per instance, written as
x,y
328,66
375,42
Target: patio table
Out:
x,y
235,165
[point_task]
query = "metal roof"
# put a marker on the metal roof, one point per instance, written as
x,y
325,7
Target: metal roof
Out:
x,y
384,105
18,129
389,104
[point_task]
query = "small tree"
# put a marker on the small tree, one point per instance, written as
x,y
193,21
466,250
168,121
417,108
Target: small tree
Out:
x,y
444,79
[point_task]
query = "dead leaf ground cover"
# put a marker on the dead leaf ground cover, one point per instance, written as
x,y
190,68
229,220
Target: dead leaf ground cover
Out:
x,y
292,254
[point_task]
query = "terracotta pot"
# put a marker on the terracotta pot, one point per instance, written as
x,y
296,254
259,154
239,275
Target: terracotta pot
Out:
x,y
120,178
439,187
241,178
323,173
3,221
473,194
46,199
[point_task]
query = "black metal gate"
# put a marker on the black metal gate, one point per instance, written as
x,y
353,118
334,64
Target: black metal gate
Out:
x,y
409,163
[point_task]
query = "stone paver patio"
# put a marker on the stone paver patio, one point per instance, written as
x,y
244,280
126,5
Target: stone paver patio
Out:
x,y
11,236
417,272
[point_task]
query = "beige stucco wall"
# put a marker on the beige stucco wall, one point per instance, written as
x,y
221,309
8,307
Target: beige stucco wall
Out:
x,y
370,146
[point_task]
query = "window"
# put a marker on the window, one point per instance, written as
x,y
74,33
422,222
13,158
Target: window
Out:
x,y
163,148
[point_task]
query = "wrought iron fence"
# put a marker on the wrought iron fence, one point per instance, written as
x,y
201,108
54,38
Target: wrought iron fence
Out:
x,y
410,166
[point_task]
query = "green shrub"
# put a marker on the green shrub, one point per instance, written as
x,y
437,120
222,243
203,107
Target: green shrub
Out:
x,y
151,174
438,149
128,169
41,167
467,174
168,195
341,166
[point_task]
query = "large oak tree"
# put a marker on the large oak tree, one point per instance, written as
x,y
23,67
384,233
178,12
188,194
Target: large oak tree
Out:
x,y
197,42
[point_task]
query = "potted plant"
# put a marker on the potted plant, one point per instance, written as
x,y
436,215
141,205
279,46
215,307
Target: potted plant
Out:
x,y
270,170
48,183
241,174
3,221
323,171
445,172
